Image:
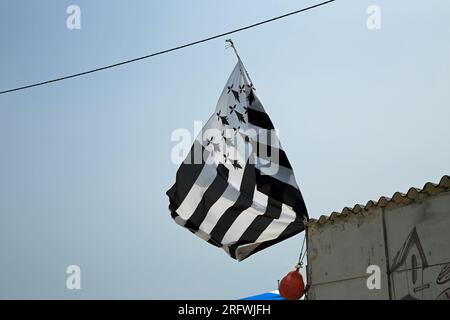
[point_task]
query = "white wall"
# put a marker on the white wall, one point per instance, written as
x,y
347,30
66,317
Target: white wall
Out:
x,y
412,237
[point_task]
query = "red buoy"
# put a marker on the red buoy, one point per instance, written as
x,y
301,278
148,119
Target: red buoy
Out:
x,y
292,286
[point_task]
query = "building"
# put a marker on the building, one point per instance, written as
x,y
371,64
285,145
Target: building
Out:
x,y
406,236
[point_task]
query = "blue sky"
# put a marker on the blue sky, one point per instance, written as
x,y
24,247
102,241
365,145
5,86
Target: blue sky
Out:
x,y
85,163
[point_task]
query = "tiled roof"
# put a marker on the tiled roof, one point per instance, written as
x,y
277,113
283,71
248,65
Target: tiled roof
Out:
x,y
397,200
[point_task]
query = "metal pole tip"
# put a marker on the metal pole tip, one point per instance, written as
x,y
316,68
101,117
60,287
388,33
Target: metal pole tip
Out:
x,y
230,44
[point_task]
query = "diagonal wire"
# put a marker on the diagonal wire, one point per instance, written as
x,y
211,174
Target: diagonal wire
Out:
x,y
164,51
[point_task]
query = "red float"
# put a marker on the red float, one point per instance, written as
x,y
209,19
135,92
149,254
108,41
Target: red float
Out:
x,y
292,286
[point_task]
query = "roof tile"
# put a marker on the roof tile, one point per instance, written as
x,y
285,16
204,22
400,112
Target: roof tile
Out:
x,y
398,199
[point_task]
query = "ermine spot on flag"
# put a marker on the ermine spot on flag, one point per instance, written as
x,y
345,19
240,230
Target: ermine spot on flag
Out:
x,y
236,188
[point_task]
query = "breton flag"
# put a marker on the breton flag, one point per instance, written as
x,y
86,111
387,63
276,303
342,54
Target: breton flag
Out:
x,y
236,188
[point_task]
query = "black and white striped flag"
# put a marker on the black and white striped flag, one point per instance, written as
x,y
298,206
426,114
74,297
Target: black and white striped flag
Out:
x,y
236,188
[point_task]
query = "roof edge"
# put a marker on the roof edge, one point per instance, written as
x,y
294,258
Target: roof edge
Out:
x,y
398,199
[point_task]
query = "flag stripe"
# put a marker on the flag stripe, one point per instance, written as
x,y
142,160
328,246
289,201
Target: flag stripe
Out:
x,y
186,176
246,218
259,224
281,173
195,195
242,222
282,157
228,199
214,243
292,229
243,202
212,194
259,119
278,230
280,191
173,213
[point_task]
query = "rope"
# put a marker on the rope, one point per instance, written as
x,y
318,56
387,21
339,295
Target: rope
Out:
x,y
302,254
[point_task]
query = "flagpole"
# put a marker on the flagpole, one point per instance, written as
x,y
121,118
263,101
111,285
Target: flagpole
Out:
x,y
231,44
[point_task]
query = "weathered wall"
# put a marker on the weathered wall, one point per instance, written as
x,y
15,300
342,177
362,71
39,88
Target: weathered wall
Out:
x,y
410,243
